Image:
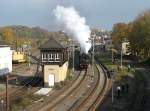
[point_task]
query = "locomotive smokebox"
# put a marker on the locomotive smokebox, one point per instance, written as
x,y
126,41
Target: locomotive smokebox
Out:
x,y
84,61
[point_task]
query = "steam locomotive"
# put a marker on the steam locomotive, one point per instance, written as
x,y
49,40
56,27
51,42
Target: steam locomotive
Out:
x,y
84,61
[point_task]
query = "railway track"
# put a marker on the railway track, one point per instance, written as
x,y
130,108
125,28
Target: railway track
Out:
x,y
81,101
62,95
96,95
58,93
74,95
85,95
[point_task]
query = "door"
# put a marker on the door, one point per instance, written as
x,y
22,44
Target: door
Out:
x,y
51,80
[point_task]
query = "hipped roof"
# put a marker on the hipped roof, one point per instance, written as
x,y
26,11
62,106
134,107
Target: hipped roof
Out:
x,y
51,44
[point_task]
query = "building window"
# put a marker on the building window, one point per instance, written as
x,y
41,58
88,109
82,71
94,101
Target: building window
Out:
x,y
57,56
48,56
44,56
51,57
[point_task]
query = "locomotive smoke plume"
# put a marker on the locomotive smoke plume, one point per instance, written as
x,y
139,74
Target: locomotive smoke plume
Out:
x,y
74,25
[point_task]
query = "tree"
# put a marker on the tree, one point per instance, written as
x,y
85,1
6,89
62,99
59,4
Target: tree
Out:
x,y
139,37
7,35
119,33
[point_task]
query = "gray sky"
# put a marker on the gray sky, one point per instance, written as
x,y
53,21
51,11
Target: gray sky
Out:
x,y
98,13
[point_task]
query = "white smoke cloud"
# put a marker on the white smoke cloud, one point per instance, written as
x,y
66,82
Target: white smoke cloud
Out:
x,y
74,25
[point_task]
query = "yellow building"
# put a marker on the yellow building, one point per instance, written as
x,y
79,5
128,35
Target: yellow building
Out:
x,y
54,62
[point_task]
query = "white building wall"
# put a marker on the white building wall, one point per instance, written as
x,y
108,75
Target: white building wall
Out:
x,y
5,60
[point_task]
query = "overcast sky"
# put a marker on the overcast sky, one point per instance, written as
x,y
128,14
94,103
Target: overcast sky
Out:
x,y
98,13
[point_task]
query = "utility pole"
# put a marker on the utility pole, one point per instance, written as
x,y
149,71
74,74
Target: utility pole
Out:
x,y
29,53
69,48
68,54
73,56
112,91
7,93
93,53
16,44
121,58
2,105
113,82
112,56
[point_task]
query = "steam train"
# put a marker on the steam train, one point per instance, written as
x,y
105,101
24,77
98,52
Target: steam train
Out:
x,y
84,61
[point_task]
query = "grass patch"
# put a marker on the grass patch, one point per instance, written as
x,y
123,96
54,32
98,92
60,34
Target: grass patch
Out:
x,y
107,61
69,74
2,87
129,101
22,102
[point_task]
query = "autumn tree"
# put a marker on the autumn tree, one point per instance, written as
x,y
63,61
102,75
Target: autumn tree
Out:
x,y
119,33
139,37
7,34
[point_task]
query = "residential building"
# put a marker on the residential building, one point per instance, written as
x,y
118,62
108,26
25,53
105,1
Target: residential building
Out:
x,y
5,58
126,48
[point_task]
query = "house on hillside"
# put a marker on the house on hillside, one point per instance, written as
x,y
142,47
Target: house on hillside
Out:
x,y
5,58
53,57
126,48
